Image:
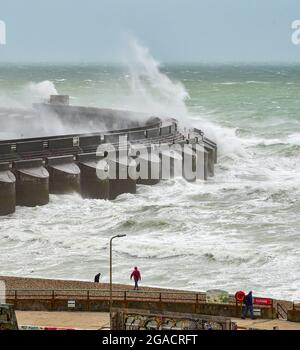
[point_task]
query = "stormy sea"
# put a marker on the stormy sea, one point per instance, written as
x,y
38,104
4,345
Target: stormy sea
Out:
x,y
239,230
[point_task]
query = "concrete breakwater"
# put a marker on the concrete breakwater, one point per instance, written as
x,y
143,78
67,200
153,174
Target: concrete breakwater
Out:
x,y
7,190
32,168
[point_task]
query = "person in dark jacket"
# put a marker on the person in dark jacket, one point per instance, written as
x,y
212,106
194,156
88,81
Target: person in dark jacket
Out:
x,y
248,306
136,276
97,278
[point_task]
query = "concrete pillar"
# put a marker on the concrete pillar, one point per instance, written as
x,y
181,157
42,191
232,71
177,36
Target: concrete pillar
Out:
x,y
202,164
211,160
121,185
32,186
7,190
189,163
90,184
64,175
63,100
94,187
170,160
216,154
206,172
153,165
213,145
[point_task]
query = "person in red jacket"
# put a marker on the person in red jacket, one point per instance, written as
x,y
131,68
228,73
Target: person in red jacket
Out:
x,y
137,277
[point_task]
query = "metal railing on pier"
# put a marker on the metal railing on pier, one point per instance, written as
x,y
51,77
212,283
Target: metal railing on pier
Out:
x,y
14,295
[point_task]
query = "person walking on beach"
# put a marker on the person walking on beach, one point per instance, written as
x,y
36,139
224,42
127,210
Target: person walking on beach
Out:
x,y
248,306
137,277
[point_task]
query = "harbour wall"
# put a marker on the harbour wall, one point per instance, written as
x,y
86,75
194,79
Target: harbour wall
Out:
x,y
225,310
31,169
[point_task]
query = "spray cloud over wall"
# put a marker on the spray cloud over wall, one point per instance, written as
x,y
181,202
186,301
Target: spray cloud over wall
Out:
x,y
150,89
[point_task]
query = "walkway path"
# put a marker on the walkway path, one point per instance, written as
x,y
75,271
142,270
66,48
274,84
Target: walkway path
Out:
x,y
69,320
97,320
266,324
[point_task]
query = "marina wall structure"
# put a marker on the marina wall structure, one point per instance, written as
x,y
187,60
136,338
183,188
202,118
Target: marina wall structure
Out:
x,y
32,167
7,190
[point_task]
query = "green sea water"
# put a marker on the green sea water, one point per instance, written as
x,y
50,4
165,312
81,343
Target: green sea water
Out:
x,y
240,230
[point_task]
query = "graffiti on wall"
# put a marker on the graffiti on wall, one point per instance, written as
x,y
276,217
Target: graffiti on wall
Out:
x,y
140,321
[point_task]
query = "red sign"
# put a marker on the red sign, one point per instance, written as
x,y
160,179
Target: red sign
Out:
x,y
262,301
239,296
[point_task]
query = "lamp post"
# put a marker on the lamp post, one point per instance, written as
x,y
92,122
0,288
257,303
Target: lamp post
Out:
x,y
110,270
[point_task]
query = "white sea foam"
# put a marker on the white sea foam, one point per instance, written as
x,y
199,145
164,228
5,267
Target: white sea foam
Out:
x,y
256,82
27,94
229,83
38,92
294,138
238,230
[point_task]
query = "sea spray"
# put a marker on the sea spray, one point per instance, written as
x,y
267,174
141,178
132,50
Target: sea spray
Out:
x,y
150,90
29,94
39,92
23,96
239,230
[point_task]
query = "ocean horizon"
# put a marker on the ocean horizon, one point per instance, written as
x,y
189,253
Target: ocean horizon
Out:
x,y
240,230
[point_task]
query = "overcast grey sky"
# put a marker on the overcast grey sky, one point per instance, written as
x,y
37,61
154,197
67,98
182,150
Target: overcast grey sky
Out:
x,y
174,30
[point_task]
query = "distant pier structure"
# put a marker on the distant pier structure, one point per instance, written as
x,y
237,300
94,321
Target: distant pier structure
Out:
x,y
65,160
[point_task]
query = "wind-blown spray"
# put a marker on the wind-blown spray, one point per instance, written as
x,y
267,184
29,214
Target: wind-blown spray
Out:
x,y
150,89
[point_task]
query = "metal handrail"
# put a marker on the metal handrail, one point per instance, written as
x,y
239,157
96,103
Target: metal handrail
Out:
x,y
123,294
68,136
102,290
96,293
296,305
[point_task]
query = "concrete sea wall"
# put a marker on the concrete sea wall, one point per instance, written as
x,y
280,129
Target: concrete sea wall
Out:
x,y
31,169
32,183
225,310
64,175
7,190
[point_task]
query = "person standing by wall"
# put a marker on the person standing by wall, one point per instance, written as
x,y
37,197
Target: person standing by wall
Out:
x,y
136,276
248,306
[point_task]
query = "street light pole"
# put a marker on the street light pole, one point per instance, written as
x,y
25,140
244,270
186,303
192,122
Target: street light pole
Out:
x,y
110,272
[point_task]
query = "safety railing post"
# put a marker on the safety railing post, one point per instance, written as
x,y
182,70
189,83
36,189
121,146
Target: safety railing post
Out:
x,y
52,300
88,300
16,299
